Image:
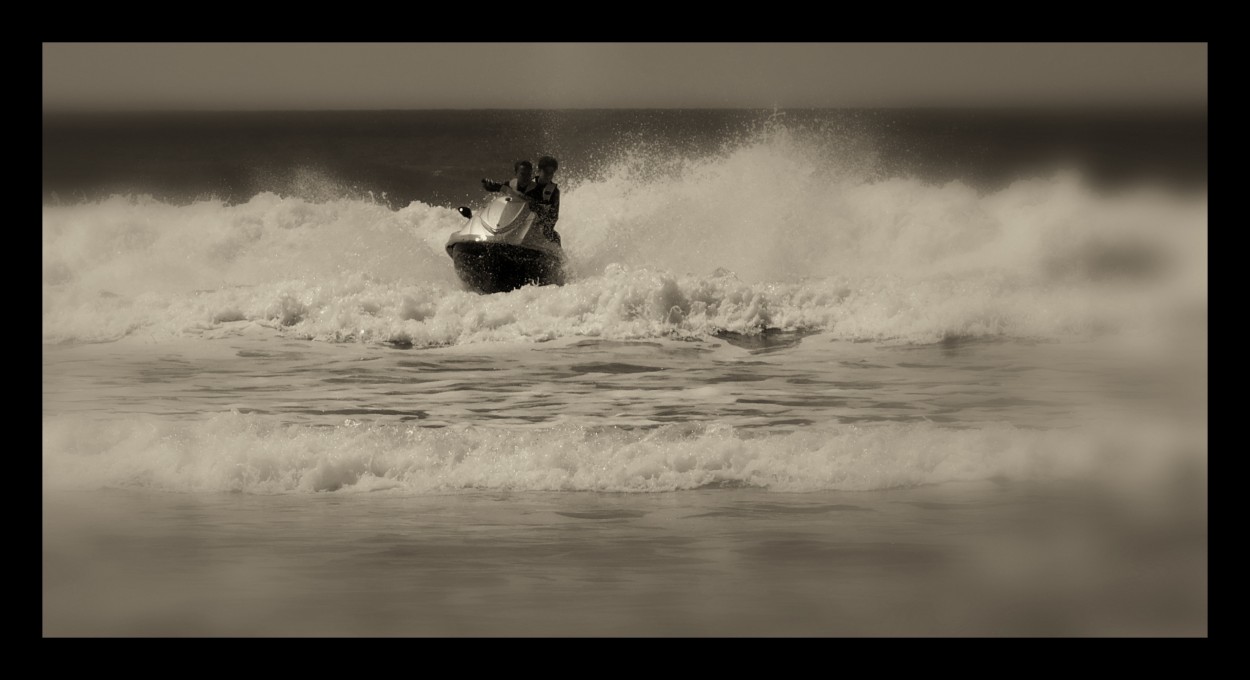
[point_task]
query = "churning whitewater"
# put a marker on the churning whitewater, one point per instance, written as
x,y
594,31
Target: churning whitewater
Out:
x,y
766,234
313,341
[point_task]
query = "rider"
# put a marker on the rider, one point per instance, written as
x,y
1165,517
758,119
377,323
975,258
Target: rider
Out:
x,y
524,171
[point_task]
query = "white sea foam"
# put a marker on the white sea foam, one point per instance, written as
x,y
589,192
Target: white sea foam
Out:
x,y
251,454
771,232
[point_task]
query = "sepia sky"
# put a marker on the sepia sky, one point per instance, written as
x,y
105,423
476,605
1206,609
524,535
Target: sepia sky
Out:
x,y
617,75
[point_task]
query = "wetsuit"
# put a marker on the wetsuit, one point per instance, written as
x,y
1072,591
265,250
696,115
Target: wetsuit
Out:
x,y
547,206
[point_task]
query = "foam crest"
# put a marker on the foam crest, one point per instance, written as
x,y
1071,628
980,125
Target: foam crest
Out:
x,y
239,453
782,228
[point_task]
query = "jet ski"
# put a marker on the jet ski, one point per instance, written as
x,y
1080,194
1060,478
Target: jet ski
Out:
x,y
500,249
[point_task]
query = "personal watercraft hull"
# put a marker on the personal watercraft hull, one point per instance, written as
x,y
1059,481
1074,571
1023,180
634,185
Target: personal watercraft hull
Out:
x,y
497,251
500,267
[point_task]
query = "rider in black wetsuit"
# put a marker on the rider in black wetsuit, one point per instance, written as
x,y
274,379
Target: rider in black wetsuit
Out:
x,y
547,197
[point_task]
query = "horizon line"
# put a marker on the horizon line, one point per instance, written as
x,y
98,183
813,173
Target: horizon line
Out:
x,y
1146,106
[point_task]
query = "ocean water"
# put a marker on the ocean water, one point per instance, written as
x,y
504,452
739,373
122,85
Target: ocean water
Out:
x,y
815,373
